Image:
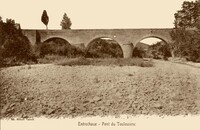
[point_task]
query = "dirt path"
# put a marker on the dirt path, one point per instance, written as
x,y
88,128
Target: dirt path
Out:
x,y
52,90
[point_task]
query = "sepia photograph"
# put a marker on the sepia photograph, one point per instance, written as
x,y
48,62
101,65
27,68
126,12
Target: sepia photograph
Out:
x,y
99,64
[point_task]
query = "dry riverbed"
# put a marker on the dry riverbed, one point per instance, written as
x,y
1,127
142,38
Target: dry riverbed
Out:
x,y
70,91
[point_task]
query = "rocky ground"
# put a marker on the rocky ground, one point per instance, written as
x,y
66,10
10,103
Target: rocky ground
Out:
x,y
70,91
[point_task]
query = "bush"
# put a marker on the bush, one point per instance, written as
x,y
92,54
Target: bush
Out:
x,y
17,47
138,52
159,50
106,62
186,44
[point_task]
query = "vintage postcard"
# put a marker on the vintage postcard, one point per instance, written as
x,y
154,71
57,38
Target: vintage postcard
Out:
x,y
99,64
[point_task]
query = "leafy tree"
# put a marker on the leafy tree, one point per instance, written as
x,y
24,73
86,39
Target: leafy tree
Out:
x,y
1,19
1,38
14,46
188,15
186,41
66,22
1,31
45,18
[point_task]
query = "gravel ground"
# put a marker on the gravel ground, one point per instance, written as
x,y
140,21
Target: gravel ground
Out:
x,y
55,91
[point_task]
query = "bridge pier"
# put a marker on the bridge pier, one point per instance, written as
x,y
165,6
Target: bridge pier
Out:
x,y
127,50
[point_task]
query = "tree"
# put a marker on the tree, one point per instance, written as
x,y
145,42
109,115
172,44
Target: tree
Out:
x,y
66,22
45,18
1,31
1,19
1,39
188,15
187,42
14,46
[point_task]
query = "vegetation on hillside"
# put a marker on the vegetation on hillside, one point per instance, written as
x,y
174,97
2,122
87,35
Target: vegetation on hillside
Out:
x,y
160,50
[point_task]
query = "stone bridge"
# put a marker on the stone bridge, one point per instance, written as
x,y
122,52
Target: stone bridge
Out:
x,y
126,38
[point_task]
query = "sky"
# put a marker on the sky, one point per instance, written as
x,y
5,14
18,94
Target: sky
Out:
x,y
92,14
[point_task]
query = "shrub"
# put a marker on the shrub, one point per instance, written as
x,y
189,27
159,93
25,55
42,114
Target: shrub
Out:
x,y
106,62
138,52
159,50
186,44
17,47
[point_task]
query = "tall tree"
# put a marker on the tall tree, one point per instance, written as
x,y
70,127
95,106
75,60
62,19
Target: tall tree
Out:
x,y
186,42
13,44
188,15
66,22
45,18
1,32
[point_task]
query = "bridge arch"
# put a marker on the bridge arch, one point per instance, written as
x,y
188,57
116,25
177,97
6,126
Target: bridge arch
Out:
x,y
111,42
165,40
127,38
56,46
55,38
155,42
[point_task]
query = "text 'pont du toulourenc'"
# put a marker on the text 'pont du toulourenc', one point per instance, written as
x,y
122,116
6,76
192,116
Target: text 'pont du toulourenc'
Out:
x,y
106,124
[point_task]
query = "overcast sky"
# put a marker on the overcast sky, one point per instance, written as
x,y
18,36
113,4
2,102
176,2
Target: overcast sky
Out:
x,y
92,14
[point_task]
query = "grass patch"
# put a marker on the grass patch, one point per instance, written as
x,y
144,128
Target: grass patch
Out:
x,y
106,62
47,59
74,62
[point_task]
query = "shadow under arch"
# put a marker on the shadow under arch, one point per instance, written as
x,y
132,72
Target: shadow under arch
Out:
x,y
54,39
57,46
104,42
